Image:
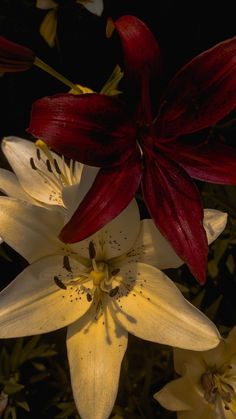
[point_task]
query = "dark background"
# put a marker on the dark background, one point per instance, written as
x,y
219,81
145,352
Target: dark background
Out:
x,y
84,55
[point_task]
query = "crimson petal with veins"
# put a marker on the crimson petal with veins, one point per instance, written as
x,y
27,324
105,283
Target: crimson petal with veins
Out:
x,y
111,192
175,206
14,57
201,93
91,128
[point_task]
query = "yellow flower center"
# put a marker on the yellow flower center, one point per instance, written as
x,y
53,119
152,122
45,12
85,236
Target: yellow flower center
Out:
x,y
97,277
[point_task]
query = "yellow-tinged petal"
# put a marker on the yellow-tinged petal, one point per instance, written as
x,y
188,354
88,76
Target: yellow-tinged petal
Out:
x,y
48,28
95,350
34,303
150,306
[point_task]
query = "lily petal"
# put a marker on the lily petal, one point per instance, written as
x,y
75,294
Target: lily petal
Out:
x,y
152,248
93,6
44,182
91,128
209,162
174,203
177,396
28,303
95,351
115,238
201,93
22,224
14,57
150,306
10,186
108,196
45,4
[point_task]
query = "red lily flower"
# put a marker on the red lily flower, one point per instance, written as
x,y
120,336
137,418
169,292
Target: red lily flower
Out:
x,y
14,57
97,130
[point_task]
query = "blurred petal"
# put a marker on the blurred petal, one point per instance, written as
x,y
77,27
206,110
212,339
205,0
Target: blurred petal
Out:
x,y
202,92
93,6
153,249
177,395
150,306
30,230
111,192
10,186
209,162
34,304
45,4
48,28
175,206
14,57
116,237
95,351
91,128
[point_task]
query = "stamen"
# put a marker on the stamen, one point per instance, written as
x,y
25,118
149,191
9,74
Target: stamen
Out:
x,y
89,297
38,153
92,251
58,170
115,272
59,283
32,163
49,167
66,264
113,291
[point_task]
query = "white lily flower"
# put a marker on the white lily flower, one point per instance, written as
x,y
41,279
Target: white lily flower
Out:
x,y
207,386
101,288
93,6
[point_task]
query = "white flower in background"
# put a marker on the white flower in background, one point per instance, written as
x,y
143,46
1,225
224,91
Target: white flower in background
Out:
x,y
41,176
207,386
102,288
48,27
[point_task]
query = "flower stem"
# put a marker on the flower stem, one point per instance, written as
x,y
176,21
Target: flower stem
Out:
x,y
45,67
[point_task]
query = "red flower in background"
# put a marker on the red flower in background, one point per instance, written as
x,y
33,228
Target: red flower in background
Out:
x,y
146,147
14,57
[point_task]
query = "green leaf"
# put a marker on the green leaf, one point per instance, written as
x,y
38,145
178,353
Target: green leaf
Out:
x,y
4,255
16,353
24,405
213,269
230,263
12,387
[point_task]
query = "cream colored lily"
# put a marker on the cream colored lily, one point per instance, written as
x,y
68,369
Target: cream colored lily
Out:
x,y
101,288
48,27
207,386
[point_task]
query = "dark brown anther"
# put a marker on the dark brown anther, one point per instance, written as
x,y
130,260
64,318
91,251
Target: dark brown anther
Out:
x,y
66,264
89,297
49,167
32,163
113,292
58,170
92,251
38,154
115,271
59,283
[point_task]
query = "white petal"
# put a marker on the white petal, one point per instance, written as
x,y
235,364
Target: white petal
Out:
x,y
152,248
42,184
178,395
116,238
93,6
10,186
73,195
30,230
214,223
95,351
34,304
150,306
45,4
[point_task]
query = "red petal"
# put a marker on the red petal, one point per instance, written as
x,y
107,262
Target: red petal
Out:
x,y
175,206
209,162
141,55
112,191
93,129
202,92
14,57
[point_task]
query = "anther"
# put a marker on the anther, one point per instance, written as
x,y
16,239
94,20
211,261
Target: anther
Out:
x,y
59,283
92,251
32,164
38,153
113,292
49,167
115,272
66,264
89,297
58,170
